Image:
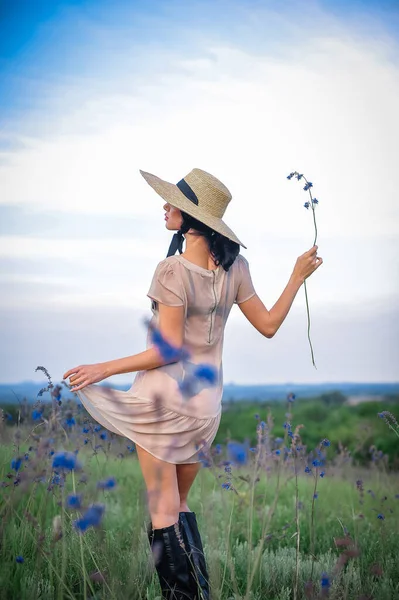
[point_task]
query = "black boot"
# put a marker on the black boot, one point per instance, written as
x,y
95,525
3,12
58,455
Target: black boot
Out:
x,y
171,562
196,554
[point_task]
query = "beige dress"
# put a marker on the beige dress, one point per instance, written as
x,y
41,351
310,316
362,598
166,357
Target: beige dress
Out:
x,y
167,411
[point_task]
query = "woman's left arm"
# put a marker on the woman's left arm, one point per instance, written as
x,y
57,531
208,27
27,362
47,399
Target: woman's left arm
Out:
x,y
171,328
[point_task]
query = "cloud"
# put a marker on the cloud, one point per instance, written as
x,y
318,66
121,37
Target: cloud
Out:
x,y
265,96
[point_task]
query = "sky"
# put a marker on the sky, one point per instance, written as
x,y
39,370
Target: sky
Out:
x,y
92,91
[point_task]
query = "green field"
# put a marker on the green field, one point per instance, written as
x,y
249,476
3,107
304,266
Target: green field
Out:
x,y
265,534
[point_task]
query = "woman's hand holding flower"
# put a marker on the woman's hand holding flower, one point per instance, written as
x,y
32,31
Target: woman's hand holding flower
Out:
x,y
307,264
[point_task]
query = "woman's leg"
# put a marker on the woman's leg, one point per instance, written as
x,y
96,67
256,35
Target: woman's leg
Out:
x,y
185,478
162,490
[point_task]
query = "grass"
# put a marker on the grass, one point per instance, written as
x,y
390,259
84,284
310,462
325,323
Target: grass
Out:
x,y
265,536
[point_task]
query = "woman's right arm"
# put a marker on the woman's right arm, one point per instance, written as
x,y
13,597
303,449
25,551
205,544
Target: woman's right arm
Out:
x,y
267,322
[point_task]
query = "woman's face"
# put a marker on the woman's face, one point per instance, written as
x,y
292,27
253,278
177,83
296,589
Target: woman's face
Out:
x,y
173,217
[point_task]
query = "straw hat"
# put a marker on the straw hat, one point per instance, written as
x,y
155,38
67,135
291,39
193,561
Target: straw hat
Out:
x,y
200,195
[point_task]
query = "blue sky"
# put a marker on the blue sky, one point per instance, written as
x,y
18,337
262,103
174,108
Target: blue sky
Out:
x,y
90,94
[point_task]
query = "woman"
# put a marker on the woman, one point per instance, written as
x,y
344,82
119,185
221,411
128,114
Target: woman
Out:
x,y
172,411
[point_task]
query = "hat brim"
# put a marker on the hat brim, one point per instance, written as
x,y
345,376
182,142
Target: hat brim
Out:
x,y
172,194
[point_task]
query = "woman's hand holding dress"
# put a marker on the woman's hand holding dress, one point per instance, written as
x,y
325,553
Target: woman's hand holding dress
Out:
x,y
85,375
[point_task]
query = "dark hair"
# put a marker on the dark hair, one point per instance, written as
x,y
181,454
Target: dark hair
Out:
x,y
223,250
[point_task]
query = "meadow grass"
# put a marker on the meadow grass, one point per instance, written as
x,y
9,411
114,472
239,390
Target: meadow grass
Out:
x,y
265,534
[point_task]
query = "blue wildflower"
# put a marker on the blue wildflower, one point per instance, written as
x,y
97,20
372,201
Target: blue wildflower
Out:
x,y
167,350
315,495
97,428
380,516
291,397
104,435
19,559
252,449
36,415
315,201
226,486
257,416
307,469
325,581
86,441
70,422
307,204
278,452
91,518
66,460
74,501
287,426
16,463
308,185
206,372
107,484
317,463
262,424
218,448
326,442
299,176
237,452
322,473
278,440
85,429
130,448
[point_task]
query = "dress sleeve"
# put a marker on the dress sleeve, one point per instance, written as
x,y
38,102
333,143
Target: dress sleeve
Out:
x,y
245,289
166,286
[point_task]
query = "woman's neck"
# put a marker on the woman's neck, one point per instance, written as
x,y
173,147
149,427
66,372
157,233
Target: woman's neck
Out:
x,y
197,251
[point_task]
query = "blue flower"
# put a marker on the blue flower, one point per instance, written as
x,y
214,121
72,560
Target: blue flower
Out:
x,y
252,449
315,201
237,452
167,350
97,428
315,495
36,415
278,452
207,372
325,581
291,397
299,176
103,435
70,422
307,469
19,559
307,204
91,518
16,463
130,448
85,429
66,460
218,448
226,486
380,516
74,500
86,441
326,442
257,416
322,473
278,440
262,424
317,463
308,185
107,484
